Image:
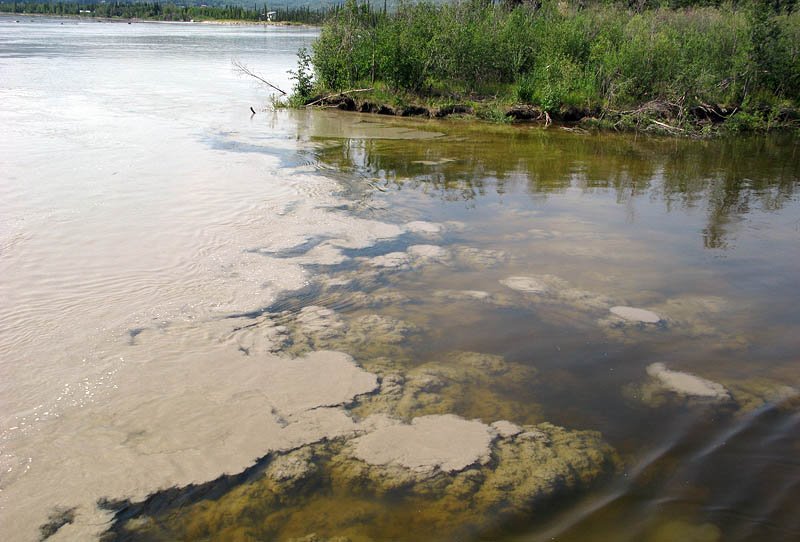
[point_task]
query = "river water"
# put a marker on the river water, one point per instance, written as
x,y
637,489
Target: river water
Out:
x,y
163,252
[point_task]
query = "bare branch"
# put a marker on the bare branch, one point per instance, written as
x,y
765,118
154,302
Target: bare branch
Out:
x,y
241,68
667,126
315,102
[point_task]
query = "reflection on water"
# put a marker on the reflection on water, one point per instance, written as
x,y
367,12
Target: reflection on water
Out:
x,y
726,179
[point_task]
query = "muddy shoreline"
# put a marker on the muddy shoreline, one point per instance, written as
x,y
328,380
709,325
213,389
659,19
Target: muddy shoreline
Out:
x,y
657,118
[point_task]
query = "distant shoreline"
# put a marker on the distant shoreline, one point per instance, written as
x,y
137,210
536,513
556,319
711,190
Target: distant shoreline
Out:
x,y
211,22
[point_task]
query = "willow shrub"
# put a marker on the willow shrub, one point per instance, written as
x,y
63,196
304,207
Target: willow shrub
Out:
x,y
698,54
555,56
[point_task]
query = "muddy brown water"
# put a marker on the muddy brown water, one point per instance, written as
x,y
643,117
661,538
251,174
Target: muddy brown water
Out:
x,y
176,260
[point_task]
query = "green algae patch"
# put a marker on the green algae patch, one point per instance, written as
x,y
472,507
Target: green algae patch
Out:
x,y
326,490
524,469
755,393
470,384
666,387
315,327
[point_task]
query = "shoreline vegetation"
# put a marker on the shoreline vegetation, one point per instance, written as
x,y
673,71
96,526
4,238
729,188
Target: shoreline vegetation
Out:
x,y
680,67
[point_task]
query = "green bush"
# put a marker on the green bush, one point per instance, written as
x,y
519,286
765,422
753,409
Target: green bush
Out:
x,y
744,122
303,78
556,55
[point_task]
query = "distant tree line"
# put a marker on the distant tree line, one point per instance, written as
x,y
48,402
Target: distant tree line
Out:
x,y
167,11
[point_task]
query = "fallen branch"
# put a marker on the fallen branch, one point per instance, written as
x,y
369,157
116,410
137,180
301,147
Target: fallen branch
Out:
x,y
241,68
329,96
667,126
653,106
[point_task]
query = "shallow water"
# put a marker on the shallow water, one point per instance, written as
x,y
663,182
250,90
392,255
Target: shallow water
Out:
x,y
153,240
704,233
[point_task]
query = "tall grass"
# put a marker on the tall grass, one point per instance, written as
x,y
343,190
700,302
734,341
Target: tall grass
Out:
x,y
558,55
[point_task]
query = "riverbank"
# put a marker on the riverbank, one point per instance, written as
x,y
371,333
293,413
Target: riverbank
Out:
x,y
695,71
656,117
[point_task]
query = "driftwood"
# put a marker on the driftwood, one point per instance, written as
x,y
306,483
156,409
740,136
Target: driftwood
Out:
x,y
653,106
241,68
667,126
714,113
329,96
